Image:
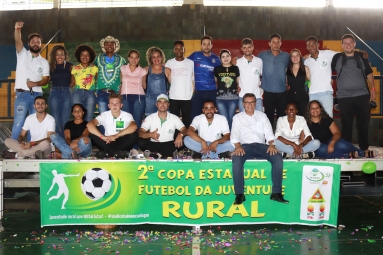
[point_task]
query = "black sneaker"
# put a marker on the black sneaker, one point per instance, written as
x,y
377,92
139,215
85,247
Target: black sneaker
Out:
x,y
8,155
121,154
197,155
225,155
101,154
39,154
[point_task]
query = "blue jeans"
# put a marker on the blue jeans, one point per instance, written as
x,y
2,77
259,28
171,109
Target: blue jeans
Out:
x,y
102,101
227,108
342,149
197,147
258,105
326,99
199,98
66,151
23,106
88,99
313,145
60,103
257,150
135,105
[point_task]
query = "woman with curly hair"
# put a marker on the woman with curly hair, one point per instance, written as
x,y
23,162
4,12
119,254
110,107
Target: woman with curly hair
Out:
x,y
156,80
60,96
84,76
324,129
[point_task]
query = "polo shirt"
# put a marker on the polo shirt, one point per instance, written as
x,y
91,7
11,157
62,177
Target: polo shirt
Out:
x,y
30,67
165,129
283,129
39,130
320,71
274,71
114,125
204,70
181,79
211,132
249,80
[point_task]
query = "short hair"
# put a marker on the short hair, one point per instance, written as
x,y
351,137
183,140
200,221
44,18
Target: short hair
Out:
x,y
33,35
52,56
209,101
82,48
178,42
291,103
40,97
115,95
345,36
149,53
247,95
223,51
247,41
207,37
82,108
312,38
274,35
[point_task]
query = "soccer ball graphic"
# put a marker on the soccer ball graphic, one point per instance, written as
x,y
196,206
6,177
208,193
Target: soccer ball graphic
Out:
x,y
95,183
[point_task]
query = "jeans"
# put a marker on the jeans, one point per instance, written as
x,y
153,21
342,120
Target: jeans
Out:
x,y
66,150
257,150
227,108
199,98
23,106
60,103
197,147
313,145
342,149
185,107
102,101
88,99
274,102
135,105
258,105
326,99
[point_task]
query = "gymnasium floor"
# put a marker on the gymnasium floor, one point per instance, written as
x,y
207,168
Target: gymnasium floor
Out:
x,y
360,232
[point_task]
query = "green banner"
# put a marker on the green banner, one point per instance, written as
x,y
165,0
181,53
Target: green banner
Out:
x,y
185,193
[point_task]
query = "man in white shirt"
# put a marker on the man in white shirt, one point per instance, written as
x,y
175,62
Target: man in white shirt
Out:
x,y
213,138
120,130
181,89
40,126
250,68
158,130
32,72
250,130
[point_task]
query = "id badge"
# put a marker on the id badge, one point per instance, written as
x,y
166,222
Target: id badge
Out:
x,y
119,125
109,68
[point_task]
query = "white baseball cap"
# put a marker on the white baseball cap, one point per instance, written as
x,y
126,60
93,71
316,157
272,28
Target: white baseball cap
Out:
x,y
162,96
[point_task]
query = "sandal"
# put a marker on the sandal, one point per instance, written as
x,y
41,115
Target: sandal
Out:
x,y
353,154
369,154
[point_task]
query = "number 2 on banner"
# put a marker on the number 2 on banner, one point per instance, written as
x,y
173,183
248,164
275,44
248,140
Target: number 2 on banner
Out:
x,y
145,169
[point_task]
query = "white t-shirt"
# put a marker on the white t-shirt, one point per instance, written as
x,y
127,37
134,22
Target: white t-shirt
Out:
x,y
283,129
211,132
29,67
39,130
182,73
249,80
320,71
114,125
166,129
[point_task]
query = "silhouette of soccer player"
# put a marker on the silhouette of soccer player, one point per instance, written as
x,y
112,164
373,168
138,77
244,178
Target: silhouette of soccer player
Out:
x,y
63,188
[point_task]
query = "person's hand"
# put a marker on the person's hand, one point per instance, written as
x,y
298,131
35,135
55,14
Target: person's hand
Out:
x,y
86,140
234,61
111,138
330,148
297,150
272,150
19,25
372,94
213,146
31,84
74,145
365,54
306,56
239,151
238,89
155,135
178,142
205,148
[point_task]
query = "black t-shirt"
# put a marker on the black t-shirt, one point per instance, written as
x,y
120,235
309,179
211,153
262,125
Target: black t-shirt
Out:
x,y
227,81
321,131
76,130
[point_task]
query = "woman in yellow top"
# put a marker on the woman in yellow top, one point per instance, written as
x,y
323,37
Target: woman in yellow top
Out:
x,y
84,76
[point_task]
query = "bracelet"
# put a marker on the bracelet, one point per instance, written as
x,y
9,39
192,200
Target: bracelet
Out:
x,y
100,136
373,88
18,28
33,143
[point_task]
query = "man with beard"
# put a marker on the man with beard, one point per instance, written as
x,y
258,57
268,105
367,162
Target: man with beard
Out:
x,y
32,72
213,138
108,78
40,126
205,86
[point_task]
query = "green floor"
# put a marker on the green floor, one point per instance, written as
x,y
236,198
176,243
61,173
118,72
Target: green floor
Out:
x,y
361,215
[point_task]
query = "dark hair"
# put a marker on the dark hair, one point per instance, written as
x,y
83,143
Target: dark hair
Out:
x,y
178,42
275,35
247,95
301,65
82,48
323,113
223,51
247,41
312,38
33,35
115,95
52,56
345,36
209,101
207,37
149,53
291,103
134,51
40,97
81,106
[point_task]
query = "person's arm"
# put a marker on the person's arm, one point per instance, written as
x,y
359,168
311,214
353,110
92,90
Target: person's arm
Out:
x,y
213,145
21,139
168,74
92,128
128,130
193,135
178,142
336,135
18,42
308,77
143,133
42,82
370,80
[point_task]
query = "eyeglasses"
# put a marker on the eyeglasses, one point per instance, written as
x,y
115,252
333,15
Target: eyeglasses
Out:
x,y
252,102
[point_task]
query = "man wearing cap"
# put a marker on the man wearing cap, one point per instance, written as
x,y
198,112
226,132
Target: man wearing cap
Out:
x,y
32,72
109,64
158,129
